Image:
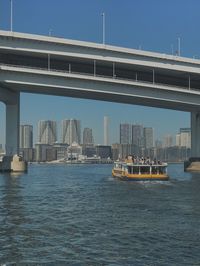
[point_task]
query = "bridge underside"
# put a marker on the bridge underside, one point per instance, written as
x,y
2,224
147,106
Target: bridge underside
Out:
x,y
98,88
71,85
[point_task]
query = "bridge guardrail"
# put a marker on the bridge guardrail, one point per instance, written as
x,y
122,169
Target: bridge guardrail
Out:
x,y
101,76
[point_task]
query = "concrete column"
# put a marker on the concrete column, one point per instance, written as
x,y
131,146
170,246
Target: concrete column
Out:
x,y
195,134
12,126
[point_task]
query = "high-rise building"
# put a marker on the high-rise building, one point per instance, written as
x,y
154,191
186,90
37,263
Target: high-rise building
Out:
x,y
106,138
71,131
125,133
26,136
185,137
1,148
47,132
178,139
148,137
168,141
87,136
158,144
137,135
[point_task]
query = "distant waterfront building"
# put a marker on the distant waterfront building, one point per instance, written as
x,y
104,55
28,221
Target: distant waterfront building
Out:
x,y
125,133
1,148
74,151
89,150
44,152
87,136
47,132
60,150
158,144
148,137
137,135
106,134
127,149
26,136
178,140
115,151
185,137
168,141
104,151
71,131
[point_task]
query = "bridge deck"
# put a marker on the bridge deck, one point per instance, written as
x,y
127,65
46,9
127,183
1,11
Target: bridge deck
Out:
x,y
102,62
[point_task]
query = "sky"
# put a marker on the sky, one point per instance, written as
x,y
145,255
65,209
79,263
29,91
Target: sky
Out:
x,y
152,25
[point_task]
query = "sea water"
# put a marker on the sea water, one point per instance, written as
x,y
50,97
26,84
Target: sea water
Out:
x,y
80,215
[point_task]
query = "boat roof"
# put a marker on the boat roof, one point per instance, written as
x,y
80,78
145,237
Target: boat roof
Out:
x,y
139,164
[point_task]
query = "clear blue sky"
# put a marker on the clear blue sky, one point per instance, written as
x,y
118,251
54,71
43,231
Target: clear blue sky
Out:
x,y
155,25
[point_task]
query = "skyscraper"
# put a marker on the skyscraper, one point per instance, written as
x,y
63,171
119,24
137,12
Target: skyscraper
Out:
x,y
106,138
185,137
47,132
125,133
168,141
178,139
148,137
87,136
26,136
71,131
137,135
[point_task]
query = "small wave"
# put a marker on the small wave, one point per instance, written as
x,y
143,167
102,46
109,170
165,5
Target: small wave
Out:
x,y
110,178
150,183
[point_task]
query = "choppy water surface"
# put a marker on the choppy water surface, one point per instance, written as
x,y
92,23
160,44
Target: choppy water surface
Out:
x,y
80,215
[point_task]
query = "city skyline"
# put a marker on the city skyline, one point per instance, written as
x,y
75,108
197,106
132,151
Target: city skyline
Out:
x,y
61,21
134,139
70,130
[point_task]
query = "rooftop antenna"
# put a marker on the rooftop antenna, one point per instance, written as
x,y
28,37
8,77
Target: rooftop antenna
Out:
x,y
50,32
172,49
179,46
103,24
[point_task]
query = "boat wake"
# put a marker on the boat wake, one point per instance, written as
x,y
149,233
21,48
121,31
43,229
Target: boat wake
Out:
x,y
150,183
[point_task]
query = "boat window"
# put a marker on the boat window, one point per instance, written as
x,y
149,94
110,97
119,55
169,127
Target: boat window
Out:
x,y
162,170
129,169
145,170
135,169
154,170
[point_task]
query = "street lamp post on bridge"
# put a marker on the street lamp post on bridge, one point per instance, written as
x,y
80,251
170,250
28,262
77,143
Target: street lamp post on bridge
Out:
x,y
11,15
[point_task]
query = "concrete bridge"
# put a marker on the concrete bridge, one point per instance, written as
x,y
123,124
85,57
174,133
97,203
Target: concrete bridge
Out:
x,y
56,66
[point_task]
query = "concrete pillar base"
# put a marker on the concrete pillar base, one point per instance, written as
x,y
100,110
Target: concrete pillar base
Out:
x,y
13,164
12,128
193,164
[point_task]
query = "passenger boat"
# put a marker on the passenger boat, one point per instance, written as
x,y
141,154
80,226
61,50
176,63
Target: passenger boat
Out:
x,y
130,170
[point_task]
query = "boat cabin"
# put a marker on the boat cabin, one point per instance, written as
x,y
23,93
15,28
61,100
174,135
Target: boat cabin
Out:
x,y
141,169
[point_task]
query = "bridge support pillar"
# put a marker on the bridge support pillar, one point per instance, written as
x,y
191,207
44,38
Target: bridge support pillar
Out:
x,y
194,162
12,162
12,126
